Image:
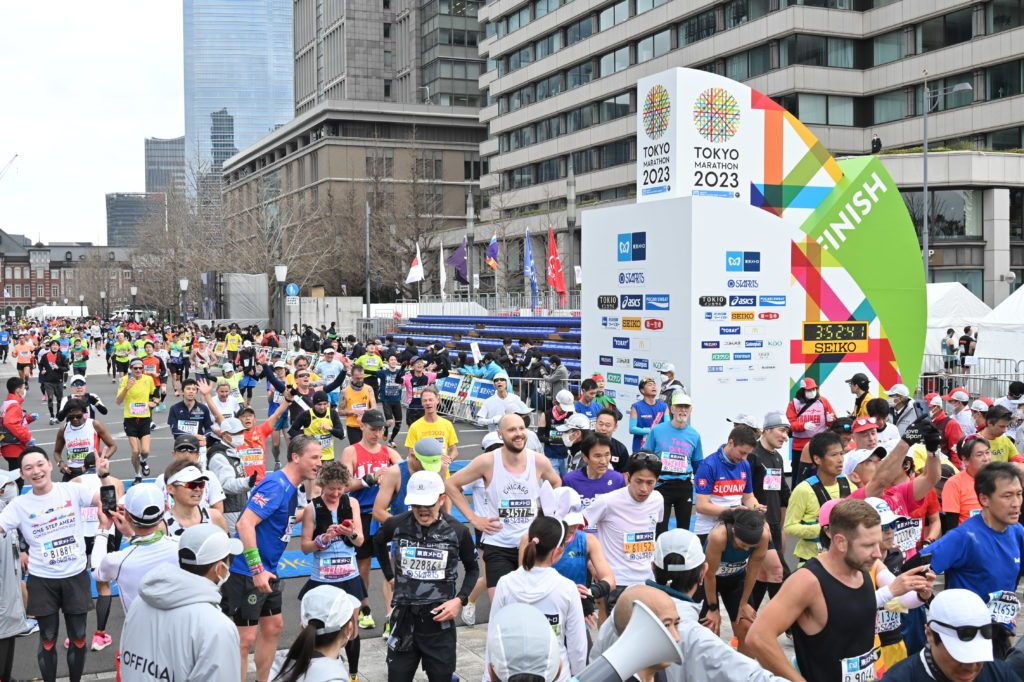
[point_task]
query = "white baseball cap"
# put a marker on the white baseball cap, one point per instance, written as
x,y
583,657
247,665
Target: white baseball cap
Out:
x,y
566,401
280,364
206,543
680,398
747,420
682,542
568,499
187,475
332,606
979,405
882,507
575,421
900,390
228,367
854,458
502,376
522,643
953,608
247,344
424,489
144,502
232,425
667,368
489,441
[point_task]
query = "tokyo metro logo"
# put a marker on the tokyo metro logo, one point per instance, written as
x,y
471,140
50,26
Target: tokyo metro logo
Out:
x,y
716,114
657,112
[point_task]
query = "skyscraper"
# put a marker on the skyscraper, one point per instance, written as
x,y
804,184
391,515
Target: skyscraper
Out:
x,y
130,213
165,165
238,76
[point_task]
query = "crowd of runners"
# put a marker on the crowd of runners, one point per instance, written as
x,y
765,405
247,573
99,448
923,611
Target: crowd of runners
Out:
x,y
890,549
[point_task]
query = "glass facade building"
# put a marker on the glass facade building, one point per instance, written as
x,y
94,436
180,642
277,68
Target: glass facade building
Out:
x,y
129,213
238,76
165,165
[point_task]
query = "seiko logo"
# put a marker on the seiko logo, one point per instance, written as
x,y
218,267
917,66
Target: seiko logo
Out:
x,y
742,317
631,323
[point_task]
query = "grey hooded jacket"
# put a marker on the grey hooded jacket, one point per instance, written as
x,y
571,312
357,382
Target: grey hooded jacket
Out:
x,y
175,631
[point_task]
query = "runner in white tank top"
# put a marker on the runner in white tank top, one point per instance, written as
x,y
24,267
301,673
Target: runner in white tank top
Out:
x,y
78,443
514,499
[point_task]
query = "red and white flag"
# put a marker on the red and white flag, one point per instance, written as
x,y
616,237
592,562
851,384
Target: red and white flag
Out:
x,y
556,278
416,270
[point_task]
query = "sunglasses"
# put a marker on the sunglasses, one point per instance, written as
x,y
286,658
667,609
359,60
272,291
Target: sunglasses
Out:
x,y
136,368
193,485
75,417
186,448
966,633
301,375
644,457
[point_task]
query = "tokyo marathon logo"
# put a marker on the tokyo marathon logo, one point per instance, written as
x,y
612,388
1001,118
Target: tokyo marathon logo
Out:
x,y
657,112
716,114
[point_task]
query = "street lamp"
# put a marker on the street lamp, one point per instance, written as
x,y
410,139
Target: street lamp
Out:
x,y
183,285
570,224
280,274
103,303
134,292
81,305
930,99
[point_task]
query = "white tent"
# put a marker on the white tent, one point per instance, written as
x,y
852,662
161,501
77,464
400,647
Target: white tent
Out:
x,y
51,311
1001,332
951,305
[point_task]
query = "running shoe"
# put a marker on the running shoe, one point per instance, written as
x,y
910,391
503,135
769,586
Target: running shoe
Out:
x,y
138,479
145,468
366,621
31,627
101,641
469,613
387,630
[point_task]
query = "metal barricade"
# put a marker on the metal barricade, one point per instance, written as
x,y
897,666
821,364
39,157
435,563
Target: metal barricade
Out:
x,y
955,365
978,385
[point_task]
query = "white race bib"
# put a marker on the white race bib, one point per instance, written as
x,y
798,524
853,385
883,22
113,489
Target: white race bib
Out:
x,y
675,462
424,563
337,567
638,546
772,479
189,426
140,409
859,668
1004,607
907,533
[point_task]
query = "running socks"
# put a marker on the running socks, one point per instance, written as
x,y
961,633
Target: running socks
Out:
x,y
75,623
102,612
47,655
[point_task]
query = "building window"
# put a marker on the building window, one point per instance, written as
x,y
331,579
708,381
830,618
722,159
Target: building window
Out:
x,y
950,29
614,15
580,74
54,291
39,290
1003,80
613,62
1002,15
953,213
387,88
1008,138
972,279
741,11
387,4
887,48
17,291
67,255
387,30
126,275
1017,216
7,273
110,255
653,46
388,60
813,109
812,50
581,30
889,106
697,28
645,5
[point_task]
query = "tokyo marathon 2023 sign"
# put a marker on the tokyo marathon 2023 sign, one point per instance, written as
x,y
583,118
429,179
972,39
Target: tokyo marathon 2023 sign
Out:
x,y
752,259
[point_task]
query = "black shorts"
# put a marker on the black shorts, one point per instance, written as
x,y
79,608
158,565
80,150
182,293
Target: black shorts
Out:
x,y
176,370
245,604
392,411
47,596
23,365
353,586
122,367
730,590
354,434
499,561
137,427
365,550
412,414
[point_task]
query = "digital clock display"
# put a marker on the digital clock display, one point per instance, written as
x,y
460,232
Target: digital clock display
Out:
x,y
835,331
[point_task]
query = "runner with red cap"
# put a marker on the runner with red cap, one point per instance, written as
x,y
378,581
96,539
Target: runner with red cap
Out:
x,y
960,400
950,429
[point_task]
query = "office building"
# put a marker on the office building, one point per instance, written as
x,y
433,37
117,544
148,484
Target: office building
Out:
x,y
560,81
165,165
402,51
130,214
238,76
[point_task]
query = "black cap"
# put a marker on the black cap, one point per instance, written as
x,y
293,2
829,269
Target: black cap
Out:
x,y
320,397
859,379
186,442
373,419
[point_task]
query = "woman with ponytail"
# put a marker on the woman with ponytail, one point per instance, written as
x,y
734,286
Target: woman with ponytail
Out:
x,y
328,623
536,583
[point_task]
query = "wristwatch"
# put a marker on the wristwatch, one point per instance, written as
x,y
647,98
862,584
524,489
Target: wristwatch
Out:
x,y
463,600
711,607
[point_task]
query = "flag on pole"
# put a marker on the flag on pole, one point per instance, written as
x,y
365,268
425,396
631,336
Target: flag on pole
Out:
x,y
440,265
492,253
459,261
529,269
555,276
416,270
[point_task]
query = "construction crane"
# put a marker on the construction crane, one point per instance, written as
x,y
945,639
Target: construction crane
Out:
x,y
7,167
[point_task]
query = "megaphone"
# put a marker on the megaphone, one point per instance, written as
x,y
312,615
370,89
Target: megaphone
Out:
x,y
644,642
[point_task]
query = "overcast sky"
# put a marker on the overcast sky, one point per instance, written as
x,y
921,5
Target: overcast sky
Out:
x,y
83,83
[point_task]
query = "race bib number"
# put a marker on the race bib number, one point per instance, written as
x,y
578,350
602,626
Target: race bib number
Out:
x,y
859,668
907,533
140,409
77,453
638,546
887,621
337,567
189,426
423,563
251,457
150,370
175,353
515,510
555,620
731,569
675,462
60,550
1004,607
417,392
326,441
236,393
772,479
359,406
289,528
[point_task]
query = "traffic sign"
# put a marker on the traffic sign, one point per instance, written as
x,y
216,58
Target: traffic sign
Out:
x,y
291,301
292,290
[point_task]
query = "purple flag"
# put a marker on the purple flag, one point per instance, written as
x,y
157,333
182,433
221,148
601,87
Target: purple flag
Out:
x,y
458,261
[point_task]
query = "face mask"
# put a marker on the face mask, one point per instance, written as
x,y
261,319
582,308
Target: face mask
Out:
x,y
238,440
567,440
811,395
224,579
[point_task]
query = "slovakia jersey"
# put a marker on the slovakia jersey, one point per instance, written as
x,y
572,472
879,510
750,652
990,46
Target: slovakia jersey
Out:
x,y
725,483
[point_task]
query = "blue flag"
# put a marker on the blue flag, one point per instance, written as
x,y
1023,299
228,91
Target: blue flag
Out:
x,y
458,261
528,268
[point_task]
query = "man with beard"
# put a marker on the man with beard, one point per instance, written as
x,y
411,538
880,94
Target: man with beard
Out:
x,y
511,478
828,643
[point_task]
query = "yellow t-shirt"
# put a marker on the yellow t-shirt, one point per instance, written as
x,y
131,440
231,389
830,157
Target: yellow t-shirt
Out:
x,y
1002,449
441,430
355,400
233,341
136,400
